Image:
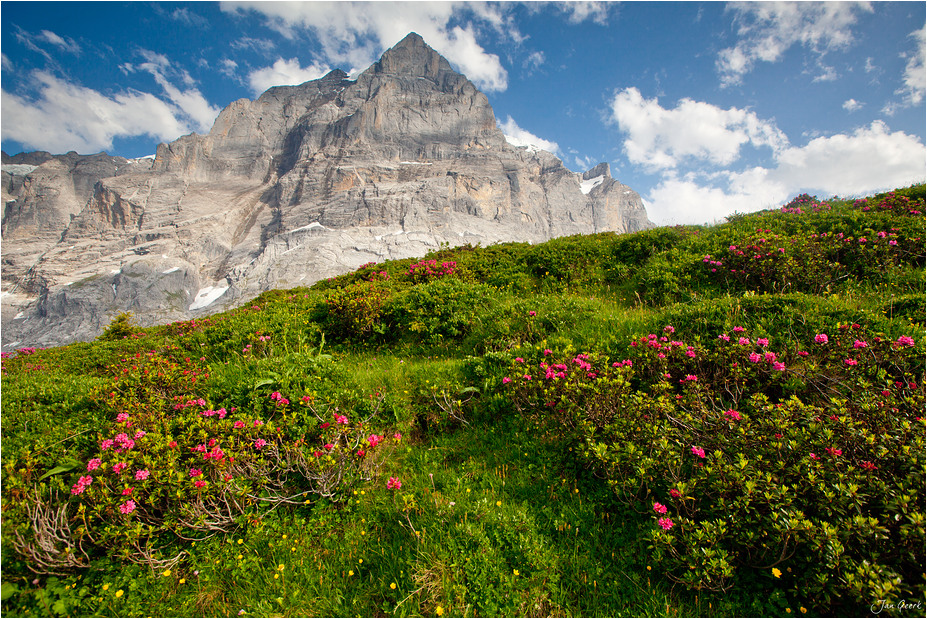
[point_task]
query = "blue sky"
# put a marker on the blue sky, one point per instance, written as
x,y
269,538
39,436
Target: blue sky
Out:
x,y
703,108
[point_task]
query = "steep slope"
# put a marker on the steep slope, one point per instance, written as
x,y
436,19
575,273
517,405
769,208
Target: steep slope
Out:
x,y
303,183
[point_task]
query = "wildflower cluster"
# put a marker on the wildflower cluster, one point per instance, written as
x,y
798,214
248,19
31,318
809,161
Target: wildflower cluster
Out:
x,y
426,270
752,454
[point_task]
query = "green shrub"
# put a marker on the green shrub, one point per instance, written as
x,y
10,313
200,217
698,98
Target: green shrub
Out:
x,y
802,466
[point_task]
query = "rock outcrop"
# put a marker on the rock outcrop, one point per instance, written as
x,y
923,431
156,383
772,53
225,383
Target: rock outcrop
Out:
x,y
303,183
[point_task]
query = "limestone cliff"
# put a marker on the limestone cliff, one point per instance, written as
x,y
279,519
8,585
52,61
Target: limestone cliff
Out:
x,y
303,183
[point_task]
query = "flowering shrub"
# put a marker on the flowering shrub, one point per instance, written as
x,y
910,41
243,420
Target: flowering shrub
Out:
x,y
752,454
169,464
427,270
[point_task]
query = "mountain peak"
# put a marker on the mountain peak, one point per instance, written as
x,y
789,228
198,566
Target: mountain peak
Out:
x,y
414,58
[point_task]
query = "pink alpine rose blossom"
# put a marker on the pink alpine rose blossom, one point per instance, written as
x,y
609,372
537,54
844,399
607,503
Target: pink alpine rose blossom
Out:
x,y
665,523
393,483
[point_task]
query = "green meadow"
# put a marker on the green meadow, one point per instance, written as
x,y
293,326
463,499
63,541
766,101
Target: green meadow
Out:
x,y
720,420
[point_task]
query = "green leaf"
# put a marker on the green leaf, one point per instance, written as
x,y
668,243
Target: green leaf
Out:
x,y
61,468
7,589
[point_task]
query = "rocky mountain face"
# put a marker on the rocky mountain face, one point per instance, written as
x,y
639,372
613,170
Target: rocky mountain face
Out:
x,y
304,183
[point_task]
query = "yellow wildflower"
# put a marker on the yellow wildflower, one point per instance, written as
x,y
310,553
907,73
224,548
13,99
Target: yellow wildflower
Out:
x,y
119,593
167,572
392,585
439,611
776,572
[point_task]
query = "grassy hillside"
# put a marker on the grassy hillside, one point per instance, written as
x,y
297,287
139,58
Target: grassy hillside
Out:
x,y
689,421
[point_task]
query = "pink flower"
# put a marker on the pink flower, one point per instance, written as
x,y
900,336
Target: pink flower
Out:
x,y
374,440
506,380
527,377
77,488
725,337
106,444
239,424
257,423
762,342
172,444
121,417
141,475
814,457
850,362
120,467
833,451
127,492
393,484
199,483
778,366
532,313
140,434
341,419
360,453
659,508
669,329
820,338
744,341
739,329
802,353
519,360
665,523
860,344
94,464
893,242
698,451
675,493
195,472
732,414
128,507
770,357
397,436
548,351
325,425
904,341
259,443
328,446
755,357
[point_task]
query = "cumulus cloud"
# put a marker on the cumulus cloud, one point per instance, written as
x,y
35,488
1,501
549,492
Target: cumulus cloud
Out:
x,y
516,136
354,34
581,11
284,73
766,30
915,76
851,105
67,117
869,159
660,138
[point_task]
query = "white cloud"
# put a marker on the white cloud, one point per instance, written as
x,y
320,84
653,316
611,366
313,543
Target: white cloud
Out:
x,y
191,104
67,117
581,11
534,61
68,44
660,138
284,73
516,136
768,29
851,105
915,76
229,68
354,34
868,160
